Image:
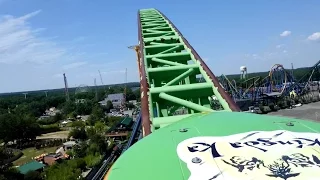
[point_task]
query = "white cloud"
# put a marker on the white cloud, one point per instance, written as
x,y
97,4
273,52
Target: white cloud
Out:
x,y
271,54
20,43
73,65
279,46
39,61
285,33
314,37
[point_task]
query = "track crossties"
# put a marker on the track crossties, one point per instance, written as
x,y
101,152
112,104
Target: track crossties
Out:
x,y
177,81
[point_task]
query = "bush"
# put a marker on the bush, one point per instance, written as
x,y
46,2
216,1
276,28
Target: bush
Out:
x,y
33,175
48,143
92,160
65,170
49,128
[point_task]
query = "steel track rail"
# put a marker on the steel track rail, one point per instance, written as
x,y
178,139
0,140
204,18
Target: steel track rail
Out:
x,y
144,87
134,133
100,174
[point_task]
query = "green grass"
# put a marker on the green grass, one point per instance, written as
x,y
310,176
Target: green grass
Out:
x,y
30,153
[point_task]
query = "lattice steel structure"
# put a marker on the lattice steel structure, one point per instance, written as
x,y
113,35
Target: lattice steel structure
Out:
x,y
171,67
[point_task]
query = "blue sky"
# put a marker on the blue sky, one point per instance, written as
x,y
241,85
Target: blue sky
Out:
x,y
41,39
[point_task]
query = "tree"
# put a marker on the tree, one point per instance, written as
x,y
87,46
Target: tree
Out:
x,y
93,148
92,120
109,105
68,170
14,127
78,124
58,117
137,94
33,175
78,163
11,174
97,115
84,108
80,150
69,107
130,95
97,144
37,108
54,101
8,125
97,111
101,94
100,127
72,115
29,129
4,155
112,120
92,160
78,133
91,131
7,172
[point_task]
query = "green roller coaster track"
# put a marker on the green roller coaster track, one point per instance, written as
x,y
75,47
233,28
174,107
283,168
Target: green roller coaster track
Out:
x,y
207,142
171,71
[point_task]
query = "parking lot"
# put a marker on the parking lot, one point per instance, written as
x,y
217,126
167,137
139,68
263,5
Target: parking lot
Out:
x,y
306,111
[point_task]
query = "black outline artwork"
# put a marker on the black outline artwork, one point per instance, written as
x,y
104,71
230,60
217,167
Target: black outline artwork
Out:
x,y
282,170
279,168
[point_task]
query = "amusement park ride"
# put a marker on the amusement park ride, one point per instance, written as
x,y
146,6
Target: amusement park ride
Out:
x,y
279,85
213,140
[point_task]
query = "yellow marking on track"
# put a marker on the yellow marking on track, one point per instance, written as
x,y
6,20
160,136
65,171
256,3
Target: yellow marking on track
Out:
x,y
106,176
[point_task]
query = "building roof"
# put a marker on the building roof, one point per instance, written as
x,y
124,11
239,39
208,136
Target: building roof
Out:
x,y
114,126
118,96
103,102
126,121
31,166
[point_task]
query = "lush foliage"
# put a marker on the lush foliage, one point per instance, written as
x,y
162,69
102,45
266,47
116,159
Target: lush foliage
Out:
x,y
20,123
87,153
68,170
16,127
